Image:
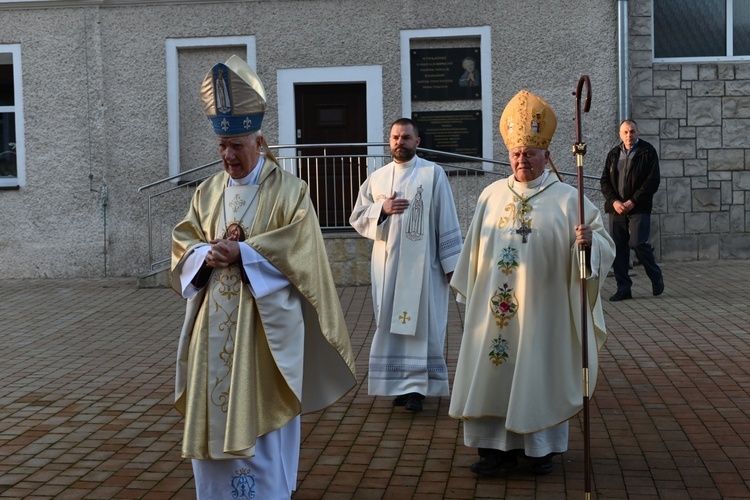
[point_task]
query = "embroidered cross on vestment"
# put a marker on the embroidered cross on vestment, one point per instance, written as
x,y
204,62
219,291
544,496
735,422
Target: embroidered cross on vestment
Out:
x,y
525,210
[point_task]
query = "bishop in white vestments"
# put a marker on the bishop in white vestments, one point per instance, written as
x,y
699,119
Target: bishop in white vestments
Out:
x,y
518,378
407,209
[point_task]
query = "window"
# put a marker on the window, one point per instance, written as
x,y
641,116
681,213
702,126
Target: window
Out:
x,y
11,118
701,30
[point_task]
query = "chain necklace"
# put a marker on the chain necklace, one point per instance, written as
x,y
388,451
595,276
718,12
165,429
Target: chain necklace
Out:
x,y
523,214
237,202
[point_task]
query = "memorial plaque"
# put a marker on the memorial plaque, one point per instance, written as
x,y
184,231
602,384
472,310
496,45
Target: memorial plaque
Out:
x,y
445,74
450,131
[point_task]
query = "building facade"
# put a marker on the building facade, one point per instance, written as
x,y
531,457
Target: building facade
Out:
x,y
690,93
99,98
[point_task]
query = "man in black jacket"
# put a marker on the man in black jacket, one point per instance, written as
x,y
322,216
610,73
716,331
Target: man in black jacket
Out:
x,y
629,181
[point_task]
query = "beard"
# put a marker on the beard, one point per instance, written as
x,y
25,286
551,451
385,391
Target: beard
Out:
x,y
403,154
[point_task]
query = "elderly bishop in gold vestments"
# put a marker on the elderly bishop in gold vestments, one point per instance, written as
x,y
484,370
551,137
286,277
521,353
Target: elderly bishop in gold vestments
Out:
x,y
264,338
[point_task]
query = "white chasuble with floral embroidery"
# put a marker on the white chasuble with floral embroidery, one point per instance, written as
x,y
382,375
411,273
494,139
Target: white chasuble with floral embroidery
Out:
x,y
520,356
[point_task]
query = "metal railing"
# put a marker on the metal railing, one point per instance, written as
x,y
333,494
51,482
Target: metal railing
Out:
x,y
334,173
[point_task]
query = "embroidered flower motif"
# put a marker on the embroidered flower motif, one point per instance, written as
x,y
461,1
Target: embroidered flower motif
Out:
x,y
508,260
499,351
503,305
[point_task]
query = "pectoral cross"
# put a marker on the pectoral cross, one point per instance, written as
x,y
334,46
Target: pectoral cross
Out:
x,y
524,230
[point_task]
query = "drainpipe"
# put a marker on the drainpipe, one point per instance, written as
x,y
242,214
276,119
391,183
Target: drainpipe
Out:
x,y
622,59
104,199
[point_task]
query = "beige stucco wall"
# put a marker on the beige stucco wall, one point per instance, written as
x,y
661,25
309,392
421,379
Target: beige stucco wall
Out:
x,y
96,99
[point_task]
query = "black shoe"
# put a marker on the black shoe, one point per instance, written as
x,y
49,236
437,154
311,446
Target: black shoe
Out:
x,y
542,466
414,401
658,287
491,466
621,296
400,400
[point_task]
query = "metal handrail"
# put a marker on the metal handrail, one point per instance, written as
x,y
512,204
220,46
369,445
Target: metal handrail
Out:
x,y
472,159
177,176
332,195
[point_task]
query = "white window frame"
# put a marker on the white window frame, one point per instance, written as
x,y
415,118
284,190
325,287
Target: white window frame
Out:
x,y
173,45
485,46
372,76
17,109
730,42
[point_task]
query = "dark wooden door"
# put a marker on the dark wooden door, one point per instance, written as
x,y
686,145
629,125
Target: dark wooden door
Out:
x,y
332,114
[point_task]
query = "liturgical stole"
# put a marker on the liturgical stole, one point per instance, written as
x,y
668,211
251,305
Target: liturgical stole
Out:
x,y
415,223
223,294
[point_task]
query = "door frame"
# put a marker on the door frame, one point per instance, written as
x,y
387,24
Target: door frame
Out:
x,y
172,48
372,76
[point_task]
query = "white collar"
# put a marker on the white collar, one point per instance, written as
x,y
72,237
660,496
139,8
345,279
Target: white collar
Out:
x,y
532,184
408,164
252,177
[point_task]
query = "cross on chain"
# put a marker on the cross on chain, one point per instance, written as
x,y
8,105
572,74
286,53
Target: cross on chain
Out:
x,y
404,318
524,230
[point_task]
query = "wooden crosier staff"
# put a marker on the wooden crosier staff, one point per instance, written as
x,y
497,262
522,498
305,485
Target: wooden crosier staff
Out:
x,y
579,149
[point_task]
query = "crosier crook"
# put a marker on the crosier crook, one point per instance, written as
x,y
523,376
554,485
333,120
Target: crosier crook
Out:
x,y
579,149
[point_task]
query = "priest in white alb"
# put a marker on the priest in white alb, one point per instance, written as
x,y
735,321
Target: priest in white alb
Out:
x,y
407,209
519,373
264,338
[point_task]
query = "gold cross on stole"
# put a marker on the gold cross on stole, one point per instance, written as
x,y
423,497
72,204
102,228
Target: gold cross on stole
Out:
x,y
404,318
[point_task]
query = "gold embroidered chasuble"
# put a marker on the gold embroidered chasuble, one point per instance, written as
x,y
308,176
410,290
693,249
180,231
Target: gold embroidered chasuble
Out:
x,y
520,355
250,384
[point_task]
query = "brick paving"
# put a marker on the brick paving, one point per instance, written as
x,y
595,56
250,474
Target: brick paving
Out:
x,y
87,367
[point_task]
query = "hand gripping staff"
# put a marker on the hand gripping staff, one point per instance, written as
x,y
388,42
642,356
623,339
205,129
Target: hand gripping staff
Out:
x,y
579,149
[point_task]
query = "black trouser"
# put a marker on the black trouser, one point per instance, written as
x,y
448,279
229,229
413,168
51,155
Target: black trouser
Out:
x,y
632,231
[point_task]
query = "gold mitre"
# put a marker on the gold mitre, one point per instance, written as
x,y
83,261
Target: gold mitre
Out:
x,y
527,121
233,98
